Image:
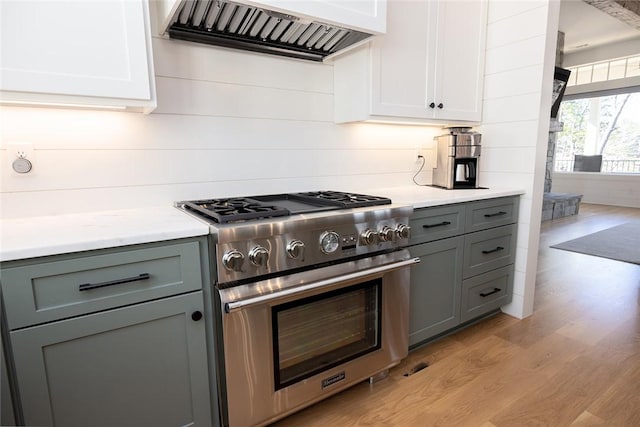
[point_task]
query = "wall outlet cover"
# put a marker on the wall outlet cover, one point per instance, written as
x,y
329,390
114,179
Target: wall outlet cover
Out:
x,y
21,157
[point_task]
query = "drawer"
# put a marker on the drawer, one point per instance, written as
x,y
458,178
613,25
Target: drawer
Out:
x,y
70,286
486,292
491,213
488,250
430,224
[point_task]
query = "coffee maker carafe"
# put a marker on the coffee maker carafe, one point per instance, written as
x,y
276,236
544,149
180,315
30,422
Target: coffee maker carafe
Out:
x,y
457,159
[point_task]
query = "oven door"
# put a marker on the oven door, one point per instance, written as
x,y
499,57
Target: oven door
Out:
x,y
293,340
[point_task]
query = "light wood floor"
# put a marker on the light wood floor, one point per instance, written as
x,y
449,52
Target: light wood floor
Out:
x,y
574,362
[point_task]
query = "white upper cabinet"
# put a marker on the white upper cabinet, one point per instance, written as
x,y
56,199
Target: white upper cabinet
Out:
x,y
428,68
86,53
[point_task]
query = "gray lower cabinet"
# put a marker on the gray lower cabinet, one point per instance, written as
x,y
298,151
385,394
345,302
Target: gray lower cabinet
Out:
x,y
489,249
7,417
116,337
467,254
486,292
141,365
435,288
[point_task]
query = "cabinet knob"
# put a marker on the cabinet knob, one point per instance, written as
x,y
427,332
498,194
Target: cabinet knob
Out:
x,y
196,315
441,105
433,105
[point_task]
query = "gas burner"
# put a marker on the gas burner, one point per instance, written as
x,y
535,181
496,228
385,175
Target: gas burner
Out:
x,y
347,199
234,209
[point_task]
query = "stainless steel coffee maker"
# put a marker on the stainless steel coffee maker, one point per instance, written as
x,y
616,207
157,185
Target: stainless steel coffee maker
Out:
x,y
457,159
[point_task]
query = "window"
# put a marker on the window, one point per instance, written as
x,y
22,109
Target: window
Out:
x,y
604,71
607,126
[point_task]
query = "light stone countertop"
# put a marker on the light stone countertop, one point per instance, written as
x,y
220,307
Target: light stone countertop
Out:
x,y
32,237
427,196
57,234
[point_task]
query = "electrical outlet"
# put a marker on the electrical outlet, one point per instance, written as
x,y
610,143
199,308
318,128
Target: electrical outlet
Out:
x,y
20,156
20,149
429,158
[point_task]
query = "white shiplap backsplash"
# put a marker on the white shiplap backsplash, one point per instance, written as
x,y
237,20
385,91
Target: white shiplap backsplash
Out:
x,y
227,123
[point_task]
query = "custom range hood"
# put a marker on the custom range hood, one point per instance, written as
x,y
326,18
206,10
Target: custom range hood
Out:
x,y
304,29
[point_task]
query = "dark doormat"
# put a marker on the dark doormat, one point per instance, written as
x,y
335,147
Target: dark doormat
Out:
x,y
621,243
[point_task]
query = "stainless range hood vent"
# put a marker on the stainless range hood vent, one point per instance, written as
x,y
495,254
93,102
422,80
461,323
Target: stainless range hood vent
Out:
x,y
240,26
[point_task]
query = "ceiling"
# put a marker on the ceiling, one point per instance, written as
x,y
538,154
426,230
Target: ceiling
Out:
x,y
585,26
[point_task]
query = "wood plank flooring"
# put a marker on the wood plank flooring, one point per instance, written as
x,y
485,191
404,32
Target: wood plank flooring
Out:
x,y
574,362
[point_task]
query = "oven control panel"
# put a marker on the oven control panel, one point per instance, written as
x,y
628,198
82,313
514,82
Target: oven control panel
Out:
x,y
277,249
255,257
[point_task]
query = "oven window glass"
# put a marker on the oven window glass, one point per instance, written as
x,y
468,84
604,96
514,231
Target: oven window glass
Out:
x,y
317,333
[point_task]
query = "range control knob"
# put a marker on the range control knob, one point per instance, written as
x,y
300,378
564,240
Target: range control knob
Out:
x,y
386,234
259,256
403,231
368,237
233,260
295,249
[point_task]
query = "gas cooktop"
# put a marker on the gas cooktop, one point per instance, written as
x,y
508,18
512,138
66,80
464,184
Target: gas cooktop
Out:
x,y
236,209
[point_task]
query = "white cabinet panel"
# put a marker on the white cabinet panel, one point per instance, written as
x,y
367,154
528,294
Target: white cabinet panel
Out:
x,y
77,52
429,67
400,63
459,61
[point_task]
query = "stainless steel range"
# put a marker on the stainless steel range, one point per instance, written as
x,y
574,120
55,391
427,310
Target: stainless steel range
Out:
x,y
312,296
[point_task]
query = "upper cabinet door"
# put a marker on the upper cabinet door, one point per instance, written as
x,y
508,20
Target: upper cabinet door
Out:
x,y
459,60
400,61
427,68
84,52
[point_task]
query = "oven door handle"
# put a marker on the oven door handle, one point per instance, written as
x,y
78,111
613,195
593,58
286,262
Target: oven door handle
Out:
x,y
232,306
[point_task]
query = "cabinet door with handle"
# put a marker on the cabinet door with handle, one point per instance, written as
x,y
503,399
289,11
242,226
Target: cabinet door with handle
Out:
x,y
400,60
435,288
458,65
140,365
428,67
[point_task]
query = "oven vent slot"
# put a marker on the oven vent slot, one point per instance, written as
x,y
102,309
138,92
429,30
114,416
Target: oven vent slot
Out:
x,y
240,26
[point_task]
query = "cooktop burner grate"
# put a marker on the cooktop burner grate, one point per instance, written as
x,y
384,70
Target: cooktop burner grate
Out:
x,y
259,207
234,209
347,199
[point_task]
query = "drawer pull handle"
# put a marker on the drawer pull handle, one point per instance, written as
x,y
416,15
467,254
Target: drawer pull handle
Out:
x,y
437,225
495,214
497,249
494,291
89,286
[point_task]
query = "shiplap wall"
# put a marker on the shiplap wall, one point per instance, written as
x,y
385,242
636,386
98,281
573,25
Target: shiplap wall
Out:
x,y
517,102
228,123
